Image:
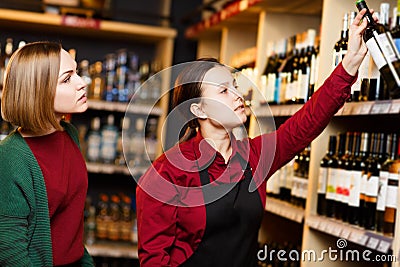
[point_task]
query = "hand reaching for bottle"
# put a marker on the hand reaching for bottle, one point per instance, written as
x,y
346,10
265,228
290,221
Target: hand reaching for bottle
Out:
x,y
356,49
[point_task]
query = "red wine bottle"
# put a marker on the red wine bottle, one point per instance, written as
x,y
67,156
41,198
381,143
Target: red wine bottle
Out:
x,y
380,44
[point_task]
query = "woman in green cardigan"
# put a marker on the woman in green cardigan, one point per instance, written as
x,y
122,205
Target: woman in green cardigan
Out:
x,y
43,175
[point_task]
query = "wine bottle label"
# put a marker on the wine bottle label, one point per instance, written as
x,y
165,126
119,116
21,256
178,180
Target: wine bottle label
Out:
x,y
346,182
372,186
276,183
323,173
339,184
381,46
382,191
391,196
331,184
93,150
397,43
303,82
296,186
342,53
355,188
304,188
313,70
336,59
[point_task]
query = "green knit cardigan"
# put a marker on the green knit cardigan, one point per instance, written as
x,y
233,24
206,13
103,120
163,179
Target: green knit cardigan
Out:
x,y
25,238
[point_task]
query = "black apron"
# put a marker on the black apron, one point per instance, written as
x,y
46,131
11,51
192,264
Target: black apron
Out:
x,y
232,224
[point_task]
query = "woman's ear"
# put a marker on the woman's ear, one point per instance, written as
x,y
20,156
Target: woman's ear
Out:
x,y
196,110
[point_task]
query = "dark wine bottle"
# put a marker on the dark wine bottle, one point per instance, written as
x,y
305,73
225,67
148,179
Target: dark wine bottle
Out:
x,y
393,166
345,166
338,49
322,205
360,164
384,148
339,175
383,51
331,184
355,181
372,184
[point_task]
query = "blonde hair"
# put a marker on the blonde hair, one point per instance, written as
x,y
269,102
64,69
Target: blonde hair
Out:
x,y
30,85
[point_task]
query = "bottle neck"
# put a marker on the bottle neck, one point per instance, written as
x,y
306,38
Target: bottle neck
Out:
x,y
368,16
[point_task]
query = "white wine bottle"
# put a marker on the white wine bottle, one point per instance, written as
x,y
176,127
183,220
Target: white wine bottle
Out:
x,y
380,44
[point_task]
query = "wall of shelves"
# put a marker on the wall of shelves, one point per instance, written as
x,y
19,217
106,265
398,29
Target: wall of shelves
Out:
x,y
271,21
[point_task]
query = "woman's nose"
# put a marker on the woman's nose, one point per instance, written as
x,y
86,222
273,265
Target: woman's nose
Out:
x,y
236,93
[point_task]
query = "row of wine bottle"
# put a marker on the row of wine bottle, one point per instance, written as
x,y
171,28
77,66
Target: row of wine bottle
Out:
x,y
358,180
291,70
290,183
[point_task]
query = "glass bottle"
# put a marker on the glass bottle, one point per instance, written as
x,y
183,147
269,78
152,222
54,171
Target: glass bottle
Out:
x,y
322,205
380,44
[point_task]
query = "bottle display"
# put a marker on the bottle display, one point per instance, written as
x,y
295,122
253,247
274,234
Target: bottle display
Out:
x,y
323,177
393,167
109,138
383,51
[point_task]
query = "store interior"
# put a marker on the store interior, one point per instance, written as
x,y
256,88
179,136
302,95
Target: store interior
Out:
x,y
257,38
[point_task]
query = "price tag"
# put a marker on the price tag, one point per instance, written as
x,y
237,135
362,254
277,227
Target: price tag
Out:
x,y
383,246
372,243
381,107
79,22
347,109
329,228
357,237
345,233
395,108
337,230
365,108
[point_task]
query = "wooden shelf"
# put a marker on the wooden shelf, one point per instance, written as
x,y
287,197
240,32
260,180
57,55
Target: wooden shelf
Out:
x,y
246,12
113,249
284,209
357,235
111,169
125,107
383,107
16,19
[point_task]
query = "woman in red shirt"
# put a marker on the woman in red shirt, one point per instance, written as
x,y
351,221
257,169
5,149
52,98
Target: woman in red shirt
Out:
x,y
42,171
201,202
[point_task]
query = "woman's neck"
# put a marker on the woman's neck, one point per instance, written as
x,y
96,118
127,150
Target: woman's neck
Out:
x,y
28,133
219,139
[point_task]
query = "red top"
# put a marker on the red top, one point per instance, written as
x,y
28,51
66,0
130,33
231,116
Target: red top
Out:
x,y
170,204
65,176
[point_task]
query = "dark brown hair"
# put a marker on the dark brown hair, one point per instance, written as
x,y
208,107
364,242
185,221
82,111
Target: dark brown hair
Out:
x,y
187,90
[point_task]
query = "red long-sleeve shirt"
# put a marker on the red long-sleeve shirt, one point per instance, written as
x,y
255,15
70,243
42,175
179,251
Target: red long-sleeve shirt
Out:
x,y
170,205
65,176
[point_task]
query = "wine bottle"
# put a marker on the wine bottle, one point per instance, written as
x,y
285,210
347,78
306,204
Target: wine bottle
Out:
x,y
323,176
384,147
345,166
393,167
383,50
372,184
337,49
339,176
396,28
355,181
360,165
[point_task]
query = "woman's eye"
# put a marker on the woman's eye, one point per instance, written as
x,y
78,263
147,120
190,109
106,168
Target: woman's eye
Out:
x,y
67,80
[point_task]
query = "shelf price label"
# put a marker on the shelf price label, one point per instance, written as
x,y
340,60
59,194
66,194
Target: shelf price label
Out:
x,y
358,237
383,246
79,22
381,107
395,107
372,243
